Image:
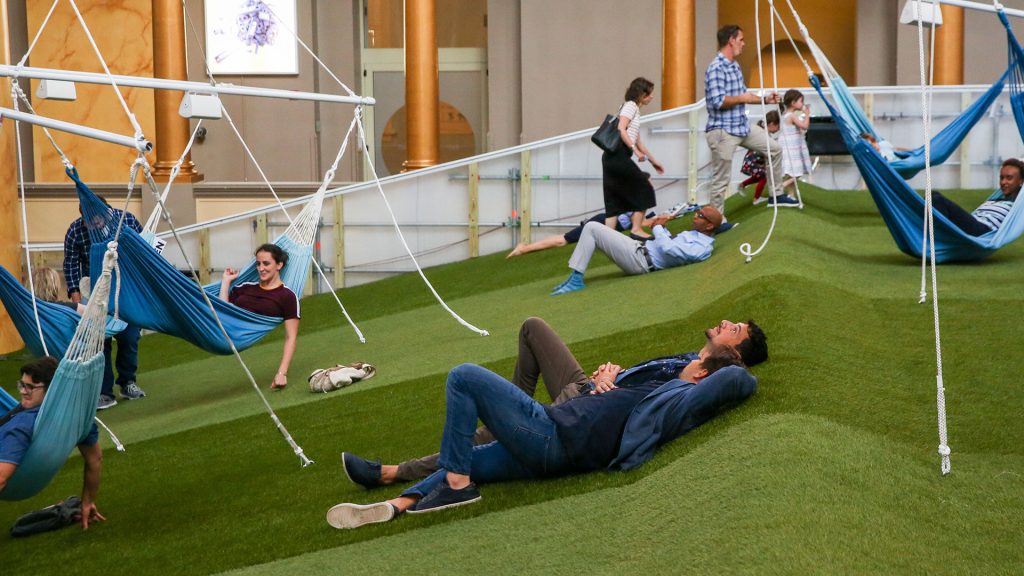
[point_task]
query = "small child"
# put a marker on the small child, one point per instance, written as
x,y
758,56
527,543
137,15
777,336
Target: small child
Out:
x,y
796,118
754,162
883,147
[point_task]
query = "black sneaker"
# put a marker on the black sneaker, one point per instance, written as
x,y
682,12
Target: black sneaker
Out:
x,y
356,515
444,496
360,471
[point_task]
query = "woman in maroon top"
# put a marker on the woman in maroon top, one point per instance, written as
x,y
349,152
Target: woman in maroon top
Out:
x,y
269,297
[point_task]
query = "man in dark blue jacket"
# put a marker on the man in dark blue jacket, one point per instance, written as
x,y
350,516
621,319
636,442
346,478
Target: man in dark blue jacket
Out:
x,y
612,426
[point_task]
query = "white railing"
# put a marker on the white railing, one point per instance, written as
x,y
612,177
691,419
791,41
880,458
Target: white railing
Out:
x,y
556,182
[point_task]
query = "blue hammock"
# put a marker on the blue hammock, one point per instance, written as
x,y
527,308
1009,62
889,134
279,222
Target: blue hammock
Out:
x,y
64,420
59,322
66,415
155,295
902,208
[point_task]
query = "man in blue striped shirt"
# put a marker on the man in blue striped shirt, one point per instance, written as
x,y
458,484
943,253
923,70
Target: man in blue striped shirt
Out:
x,y
726,96
992,213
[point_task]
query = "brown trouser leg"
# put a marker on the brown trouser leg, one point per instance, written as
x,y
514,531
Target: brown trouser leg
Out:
x,y
541,354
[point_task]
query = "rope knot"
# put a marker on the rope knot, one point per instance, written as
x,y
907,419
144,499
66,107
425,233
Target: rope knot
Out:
x,y
944,450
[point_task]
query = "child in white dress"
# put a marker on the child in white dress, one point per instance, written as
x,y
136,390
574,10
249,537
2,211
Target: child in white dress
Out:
x,y
796,117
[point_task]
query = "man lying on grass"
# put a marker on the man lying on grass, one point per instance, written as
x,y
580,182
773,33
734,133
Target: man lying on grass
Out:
x,y
615,419
663,250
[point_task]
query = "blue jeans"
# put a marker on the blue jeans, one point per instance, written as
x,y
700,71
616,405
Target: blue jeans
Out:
x,y
127,361
527,443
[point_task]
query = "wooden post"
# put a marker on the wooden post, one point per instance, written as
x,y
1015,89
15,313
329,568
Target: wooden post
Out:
x,y
421,84
474,210
339,242
678,57
261,229
693,137
869,111
10,253
525,199
204,255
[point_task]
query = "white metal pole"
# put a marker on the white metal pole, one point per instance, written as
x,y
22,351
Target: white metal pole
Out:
x,y
975,6
126,141
184,86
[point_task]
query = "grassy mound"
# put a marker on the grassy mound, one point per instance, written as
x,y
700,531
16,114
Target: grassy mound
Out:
x,y
831,467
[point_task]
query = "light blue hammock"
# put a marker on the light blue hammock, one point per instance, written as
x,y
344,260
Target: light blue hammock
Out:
x,y
58,322
901,207
155,295
66,415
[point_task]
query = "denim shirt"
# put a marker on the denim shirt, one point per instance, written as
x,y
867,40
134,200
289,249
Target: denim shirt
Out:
x,y
677,407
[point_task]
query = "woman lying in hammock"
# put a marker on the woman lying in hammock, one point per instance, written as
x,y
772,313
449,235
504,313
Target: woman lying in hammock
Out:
x,y
269,297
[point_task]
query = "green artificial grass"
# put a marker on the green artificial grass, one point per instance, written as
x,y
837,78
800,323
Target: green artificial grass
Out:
x,y
830,468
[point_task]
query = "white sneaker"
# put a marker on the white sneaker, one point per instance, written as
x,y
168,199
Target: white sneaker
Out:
x,y
348,515
760,200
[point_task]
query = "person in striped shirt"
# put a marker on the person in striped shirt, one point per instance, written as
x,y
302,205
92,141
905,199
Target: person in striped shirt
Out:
x,y
992,213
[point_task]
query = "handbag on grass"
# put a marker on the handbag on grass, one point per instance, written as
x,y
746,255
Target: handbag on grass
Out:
x,y
607,137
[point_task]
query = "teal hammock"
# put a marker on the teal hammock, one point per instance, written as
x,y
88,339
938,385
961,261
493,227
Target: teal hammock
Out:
x,y
66,415
901,207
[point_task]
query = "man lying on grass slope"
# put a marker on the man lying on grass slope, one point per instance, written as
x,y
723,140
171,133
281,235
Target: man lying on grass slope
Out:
x,y
617,423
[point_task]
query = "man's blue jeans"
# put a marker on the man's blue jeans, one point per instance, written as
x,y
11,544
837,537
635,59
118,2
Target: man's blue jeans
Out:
x,y
127,361
527,443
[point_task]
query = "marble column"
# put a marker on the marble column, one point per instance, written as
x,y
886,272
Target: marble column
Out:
x,y
421,84
172,131
949,47
678,54
9,225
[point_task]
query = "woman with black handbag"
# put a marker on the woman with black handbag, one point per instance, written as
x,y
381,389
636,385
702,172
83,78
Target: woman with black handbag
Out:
x,y
627,188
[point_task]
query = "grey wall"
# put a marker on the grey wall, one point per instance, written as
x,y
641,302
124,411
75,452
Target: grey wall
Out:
x,y
578,60
504,74
876,42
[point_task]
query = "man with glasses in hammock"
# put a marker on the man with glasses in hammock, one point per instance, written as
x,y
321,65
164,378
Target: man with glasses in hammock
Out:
x,y
16,428
638,256
992,213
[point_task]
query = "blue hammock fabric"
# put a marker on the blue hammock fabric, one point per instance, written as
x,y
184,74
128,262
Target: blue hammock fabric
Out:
x,y
7,402
155,295
902,207
64,420
943,144
59,322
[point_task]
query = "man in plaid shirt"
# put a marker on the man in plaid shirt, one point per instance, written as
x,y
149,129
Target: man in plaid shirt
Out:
x,y
726,96
76,265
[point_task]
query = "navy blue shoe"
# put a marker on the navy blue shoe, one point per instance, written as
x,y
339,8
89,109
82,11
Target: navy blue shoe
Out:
x,y
366,473
444,496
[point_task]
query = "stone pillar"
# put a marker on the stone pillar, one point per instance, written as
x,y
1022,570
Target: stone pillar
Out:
x,y
9,224
678,54
421,85
949,47
172,131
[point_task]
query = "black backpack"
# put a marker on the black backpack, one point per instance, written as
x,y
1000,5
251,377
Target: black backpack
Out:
x,y
50,518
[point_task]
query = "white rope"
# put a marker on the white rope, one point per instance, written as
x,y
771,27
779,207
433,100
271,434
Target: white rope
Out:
x,y
398,230
303,459
21,63
154,216
310,52
925,232
266,181
940,400
16,89
113,82
745,247
24,228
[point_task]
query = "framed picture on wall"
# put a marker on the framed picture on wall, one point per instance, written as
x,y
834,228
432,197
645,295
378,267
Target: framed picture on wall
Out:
x,y
251,37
